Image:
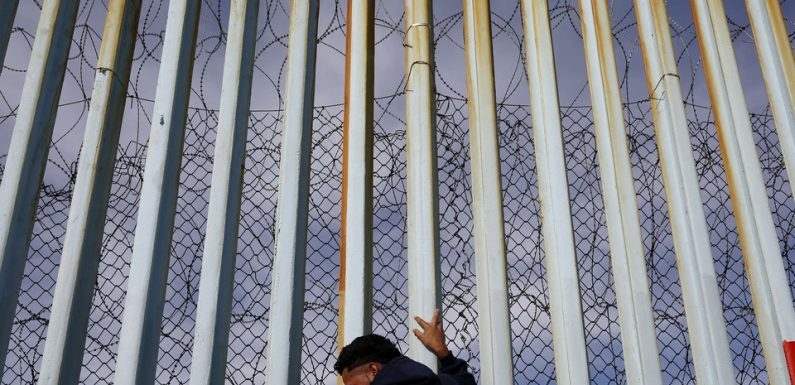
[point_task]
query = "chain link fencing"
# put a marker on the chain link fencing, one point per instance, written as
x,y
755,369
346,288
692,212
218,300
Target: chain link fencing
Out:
x,y
528,298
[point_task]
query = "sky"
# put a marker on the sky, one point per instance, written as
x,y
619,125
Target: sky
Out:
x,y
511,89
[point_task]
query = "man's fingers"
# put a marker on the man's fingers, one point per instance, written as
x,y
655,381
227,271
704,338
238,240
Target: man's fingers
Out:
x,y
438,316
422,322
420,335
435,318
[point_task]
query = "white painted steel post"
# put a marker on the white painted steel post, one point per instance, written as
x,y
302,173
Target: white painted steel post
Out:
x,y
214,305
638,338
143,309
705,323
356,250
66,333
568,336
287,296
767,277
8,9
493,317
422,230
778,69
27,152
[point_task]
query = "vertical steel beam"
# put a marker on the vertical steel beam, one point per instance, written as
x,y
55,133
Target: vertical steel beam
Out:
x,y
489,233
778,69
220,246
568,336
289,265
8,9
356,250
27,153
639,341
770,289
66,334
707,329
143,309
422,192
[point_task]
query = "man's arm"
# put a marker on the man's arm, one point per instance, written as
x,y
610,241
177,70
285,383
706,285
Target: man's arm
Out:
x,y
455,371
452,370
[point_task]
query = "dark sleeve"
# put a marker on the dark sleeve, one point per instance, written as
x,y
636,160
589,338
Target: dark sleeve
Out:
x,y
453,371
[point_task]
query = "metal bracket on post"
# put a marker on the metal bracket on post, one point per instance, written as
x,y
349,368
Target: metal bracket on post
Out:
x,y
408,75
406,36
422,207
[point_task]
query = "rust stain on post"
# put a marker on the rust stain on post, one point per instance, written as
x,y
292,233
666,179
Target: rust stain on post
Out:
x,y
116,11
343,237
782,41
720,122
356,252
763,261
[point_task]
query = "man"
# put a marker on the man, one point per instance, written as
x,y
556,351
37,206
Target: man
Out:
x,y
374,360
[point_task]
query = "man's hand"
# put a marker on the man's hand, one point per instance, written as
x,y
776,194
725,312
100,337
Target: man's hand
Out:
x,y
432,335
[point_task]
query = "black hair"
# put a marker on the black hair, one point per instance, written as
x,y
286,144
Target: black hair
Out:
x,y
364,349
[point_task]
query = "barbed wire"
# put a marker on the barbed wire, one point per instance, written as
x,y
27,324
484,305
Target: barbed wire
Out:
x,y
528,299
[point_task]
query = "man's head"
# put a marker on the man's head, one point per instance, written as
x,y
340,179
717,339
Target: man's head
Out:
x,y
361,360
